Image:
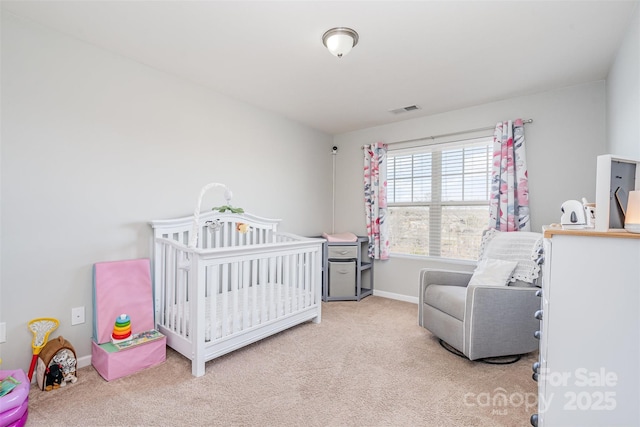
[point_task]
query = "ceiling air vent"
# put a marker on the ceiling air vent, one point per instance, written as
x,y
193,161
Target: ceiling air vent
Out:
x,y
405,109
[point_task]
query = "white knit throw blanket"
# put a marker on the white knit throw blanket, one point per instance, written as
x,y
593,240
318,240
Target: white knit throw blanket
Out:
x,y
521,246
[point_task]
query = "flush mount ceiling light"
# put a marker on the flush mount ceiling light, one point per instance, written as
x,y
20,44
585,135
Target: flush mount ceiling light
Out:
x,y
340,40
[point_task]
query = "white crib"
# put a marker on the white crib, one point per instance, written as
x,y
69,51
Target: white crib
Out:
x,y
237,281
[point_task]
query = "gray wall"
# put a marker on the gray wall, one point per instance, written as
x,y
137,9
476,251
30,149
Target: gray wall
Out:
x,y
94,146
567,135
623,96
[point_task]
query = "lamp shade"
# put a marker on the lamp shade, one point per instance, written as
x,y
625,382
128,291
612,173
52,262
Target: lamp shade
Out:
x,y
339,41
632,215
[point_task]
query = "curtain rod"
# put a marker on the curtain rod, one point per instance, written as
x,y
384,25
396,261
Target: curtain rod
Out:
x,y
462,132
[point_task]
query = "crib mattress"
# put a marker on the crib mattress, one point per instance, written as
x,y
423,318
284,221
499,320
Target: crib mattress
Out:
x,y
241,309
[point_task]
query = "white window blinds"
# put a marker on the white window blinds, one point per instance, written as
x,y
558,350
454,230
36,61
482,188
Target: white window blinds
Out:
x,y
438,197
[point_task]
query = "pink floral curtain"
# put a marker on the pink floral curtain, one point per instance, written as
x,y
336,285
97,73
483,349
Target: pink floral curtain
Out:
x,y
375,199
509,199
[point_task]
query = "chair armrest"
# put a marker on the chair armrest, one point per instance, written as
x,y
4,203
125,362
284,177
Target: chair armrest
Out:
x,y
499,319
432,276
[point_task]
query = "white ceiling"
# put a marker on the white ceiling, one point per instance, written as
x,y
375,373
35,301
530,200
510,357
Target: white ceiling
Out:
x,y
440,55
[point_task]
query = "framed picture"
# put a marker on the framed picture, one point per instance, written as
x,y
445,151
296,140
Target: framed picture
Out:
x,y
616,177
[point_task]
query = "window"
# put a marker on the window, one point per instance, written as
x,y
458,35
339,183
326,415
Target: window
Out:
x,y
438,198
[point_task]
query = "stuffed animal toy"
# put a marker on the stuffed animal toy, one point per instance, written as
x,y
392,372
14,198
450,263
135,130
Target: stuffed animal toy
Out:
x,y
53,377
69,378
241,227
67,362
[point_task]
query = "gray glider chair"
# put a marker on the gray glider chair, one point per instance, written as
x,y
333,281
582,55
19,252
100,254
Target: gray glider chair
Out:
x,y
489,312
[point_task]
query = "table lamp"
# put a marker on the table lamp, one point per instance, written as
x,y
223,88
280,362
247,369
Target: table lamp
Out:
x,y
632,215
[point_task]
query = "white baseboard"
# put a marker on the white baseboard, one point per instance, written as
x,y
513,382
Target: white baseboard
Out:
x,y
83,361
398,297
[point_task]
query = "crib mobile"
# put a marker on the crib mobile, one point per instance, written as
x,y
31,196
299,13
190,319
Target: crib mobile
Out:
x,y
215,225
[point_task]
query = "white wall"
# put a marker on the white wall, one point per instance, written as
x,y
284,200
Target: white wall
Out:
x,y
94,146
567,135
623,95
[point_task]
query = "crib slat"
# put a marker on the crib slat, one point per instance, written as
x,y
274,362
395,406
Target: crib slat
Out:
x,y
228,230
254,291
170,289
160,291
278,284
213,306
287,283
166,289
300,282
246,265
263,284
208,290
234,289
216,241
294,282
233,235
224,295
308,280
182,296
316,285
269,290
204,237
175,291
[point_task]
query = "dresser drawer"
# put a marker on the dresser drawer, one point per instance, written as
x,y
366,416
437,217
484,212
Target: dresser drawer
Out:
x,y
343,252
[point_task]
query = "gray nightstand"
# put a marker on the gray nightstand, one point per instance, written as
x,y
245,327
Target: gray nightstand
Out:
x,y
348,271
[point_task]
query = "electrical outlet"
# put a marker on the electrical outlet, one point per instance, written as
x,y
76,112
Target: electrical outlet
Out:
x,y
77,316
3,332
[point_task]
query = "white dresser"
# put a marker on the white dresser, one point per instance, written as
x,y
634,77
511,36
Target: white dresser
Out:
x,y
589,372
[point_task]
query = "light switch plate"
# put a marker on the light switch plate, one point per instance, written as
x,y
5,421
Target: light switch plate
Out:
x,y
3,332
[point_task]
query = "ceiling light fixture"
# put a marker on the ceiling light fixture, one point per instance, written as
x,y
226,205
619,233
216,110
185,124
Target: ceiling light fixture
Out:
x,y
340,40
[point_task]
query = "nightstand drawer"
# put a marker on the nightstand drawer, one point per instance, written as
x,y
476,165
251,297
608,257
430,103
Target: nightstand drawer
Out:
x,y
343,252
342,279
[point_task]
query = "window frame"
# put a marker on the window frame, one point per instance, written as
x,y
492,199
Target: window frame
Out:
x,y
435,221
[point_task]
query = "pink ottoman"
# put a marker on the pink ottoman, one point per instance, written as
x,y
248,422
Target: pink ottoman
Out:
x,y
123,287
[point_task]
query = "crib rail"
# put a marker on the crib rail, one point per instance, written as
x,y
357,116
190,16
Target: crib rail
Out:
x,y
218,230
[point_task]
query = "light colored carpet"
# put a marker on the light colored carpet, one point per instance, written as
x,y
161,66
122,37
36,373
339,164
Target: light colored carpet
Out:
x,y
367,364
